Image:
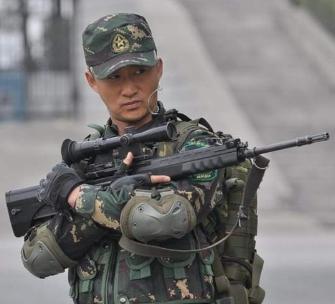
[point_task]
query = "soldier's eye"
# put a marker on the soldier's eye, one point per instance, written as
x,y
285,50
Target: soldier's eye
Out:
x,y
140,71
114,76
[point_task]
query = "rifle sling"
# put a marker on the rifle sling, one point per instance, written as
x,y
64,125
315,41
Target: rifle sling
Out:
x,y
158,251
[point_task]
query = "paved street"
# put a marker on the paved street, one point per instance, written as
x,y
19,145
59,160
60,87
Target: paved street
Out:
x,y
255,68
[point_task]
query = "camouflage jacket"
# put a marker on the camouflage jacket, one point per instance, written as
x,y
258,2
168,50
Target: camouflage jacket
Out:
x,y
105,273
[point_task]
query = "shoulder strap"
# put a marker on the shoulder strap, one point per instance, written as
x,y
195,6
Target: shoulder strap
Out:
x,y
185,128
174,114
254,179
202,121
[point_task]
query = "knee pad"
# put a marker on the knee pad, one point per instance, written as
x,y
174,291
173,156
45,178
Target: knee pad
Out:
x,y
146,219
42,256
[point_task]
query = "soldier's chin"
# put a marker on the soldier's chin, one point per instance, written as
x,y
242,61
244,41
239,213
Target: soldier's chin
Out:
x,y
137,119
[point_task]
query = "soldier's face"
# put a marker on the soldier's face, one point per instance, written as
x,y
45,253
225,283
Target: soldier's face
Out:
x,y
126,92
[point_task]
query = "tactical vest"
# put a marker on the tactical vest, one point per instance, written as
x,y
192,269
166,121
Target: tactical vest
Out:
x,y
108,274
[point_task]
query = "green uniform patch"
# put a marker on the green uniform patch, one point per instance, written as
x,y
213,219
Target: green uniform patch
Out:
x,y
204,176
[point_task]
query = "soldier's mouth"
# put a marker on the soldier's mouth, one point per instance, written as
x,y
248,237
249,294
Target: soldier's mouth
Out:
x,y
132,104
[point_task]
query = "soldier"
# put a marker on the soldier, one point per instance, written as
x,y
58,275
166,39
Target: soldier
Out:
x,y
124,69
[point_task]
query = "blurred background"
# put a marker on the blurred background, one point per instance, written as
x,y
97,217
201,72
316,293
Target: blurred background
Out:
x,y
262,70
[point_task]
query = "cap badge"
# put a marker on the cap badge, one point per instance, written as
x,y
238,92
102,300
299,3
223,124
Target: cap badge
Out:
x,y
120,44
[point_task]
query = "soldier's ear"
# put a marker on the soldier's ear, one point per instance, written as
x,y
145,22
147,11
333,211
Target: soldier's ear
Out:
x,y
91,80
159,66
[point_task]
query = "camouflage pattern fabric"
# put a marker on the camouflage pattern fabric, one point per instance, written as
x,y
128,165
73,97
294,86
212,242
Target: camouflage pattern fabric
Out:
x,y
115,41
102,206
149,280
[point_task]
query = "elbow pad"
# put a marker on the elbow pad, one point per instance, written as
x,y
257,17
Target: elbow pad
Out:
x,y
42,256
168,215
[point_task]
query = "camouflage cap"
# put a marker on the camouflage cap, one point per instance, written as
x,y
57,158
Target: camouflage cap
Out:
x,y
116,41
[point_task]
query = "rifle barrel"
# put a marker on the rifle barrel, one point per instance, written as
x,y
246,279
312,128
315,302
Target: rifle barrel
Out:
x,y
298,142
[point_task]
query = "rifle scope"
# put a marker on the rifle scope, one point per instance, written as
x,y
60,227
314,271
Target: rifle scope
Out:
x,y
74,151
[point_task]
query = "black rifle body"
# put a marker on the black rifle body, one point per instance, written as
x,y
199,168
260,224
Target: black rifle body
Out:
x,y
25,209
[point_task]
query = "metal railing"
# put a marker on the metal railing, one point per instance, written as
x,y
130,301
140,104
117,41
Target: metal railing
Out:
x,y
36,59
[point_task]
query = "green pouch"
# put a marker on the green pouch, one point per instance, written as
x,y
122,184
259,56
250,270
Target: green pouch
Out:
x,y
139,266
176,268
256,293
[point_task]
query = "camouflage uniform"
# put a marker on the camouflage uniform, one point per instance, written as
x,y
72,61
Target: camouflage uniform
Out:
x,y
85,239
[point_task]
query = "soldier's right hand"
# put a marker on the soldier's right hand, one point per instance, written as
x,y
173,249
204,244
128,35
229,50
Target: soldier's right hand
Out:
x,y
57,186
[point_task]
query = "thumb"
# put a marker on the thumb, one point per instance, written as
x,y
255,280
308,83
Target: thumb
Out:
x,y
156,179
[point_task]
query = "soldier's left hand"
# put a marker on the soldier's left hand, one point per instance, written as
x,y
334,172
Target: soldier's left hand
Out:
x,y
58,185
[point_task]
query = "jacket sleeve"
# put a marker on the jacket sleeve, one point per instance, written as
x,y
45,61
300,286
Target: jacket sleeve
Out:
x,y
55,245
103,206
58,243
